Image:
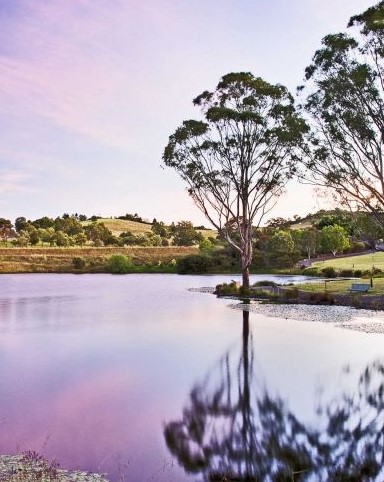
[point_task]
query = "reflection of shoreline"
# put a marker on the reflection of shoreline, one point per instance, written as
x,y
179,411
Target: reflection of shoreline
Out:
x,y
367,321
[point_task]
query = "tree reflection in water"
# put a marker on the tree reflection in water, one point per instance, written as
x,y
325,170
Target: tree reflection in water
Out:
x,y
234,430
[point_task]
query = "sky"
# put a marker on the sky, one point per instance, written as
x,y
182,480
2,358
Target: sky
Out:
x,y
90,91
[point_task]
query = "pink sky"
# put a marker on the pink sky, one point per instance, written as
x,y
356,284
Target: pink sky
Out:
x,y
90,91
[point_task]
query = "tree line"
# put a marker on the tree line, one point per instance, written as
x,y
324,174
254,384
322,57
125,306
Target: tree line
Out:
x,y
78,230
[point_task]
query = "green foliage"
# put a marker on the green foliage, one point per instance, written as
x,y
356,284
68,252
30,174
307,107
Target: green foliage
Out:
x,y
329,272
78,262
345,101
227,289
97,231
229,156
311,272
184,234
6,229
334,239
291,294
119,264
194,263
266,283
320,298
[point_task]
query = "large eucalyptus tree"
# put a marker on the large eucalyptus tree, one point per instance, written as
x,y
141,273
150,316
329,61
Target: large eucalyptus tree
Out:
x,y
345,101
237,160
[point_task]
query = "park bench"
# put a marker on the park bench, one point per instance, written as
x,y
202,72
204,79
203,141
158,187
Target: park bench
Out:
x,y
359,287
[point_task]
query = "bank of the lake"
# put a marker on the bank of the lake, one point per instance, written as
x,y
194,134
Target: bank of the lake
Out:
x,y
32,467
89,260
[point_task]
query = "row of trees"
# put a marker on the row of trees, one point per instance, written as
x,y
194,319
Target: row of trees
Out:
x,y
71,230
253,138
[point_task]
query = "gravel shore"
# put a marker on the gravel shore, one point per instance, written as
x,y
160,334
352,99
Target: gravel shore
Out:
x,y
19,468
367,321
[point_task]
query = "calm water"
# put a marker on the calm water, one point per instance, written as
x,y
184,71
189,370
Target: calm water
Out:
x,y
140,378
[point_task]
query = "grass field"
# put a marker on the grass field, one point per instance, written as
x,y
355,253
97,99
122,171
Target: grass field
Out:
x,y
60,260
118,226
343,286
363,262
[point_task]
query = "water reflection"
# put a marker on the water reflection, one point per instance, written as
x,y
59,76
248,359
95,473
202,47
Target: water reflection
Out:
x,y
234,429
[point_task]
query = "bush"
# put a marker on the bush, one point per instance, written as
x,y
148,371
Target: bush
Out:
x,y
119,264
78,263
347,273
358,273
266,283
227,289
321,298
329,272
357,247
311,272
194,264
291,294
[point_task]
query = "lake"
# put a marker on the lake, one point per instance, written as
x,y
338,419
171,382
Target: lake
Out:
x,y
145,378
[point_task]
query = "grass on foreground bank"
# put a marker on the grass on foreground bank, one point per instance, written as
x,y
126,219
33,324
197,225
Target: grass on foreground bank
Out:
x,y
343,286
363,262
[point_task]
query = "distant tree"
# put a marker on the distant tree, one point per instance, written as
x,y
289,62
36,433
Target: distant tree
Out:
x,y
160,229
80,239
68,225
21,224
334,239
236,161
306,241
367,229
61,238
34,237
342,218
97,230
23,239
278,222
346,106
186,235
281,249
6,229
44,222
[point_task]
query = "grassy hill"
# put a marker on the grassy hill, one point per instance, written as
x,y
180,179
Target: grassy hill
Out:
x,y
118,226
362,262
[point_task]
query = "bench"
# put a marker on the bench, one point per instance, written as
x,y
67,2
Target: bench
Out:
x,y
360,287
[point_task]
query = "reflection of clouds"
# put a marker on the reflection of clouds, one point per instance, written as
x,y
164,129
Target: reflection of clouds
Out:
x,y
86,422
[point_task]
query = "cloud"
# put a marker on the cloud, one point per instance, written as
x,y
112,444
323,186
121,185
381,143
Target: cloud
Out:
x,y
12,181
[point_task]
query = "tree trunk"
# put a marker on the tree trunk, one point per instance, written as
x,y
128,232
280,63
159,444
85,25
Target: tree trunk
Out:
x,y
245,275
246,252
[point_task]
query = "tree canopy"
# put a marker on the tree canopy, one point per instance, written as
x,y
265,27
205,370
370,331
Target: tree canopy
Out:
x,y
237,159
345,101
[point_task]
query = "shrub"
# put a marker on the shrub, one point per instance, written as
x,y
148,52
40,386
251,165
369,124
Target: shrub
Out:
x,y
194,263
329,272
227,289
320,298
119,264
358,273
347,273
311,272
357,247
266,283
291,294
78,263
